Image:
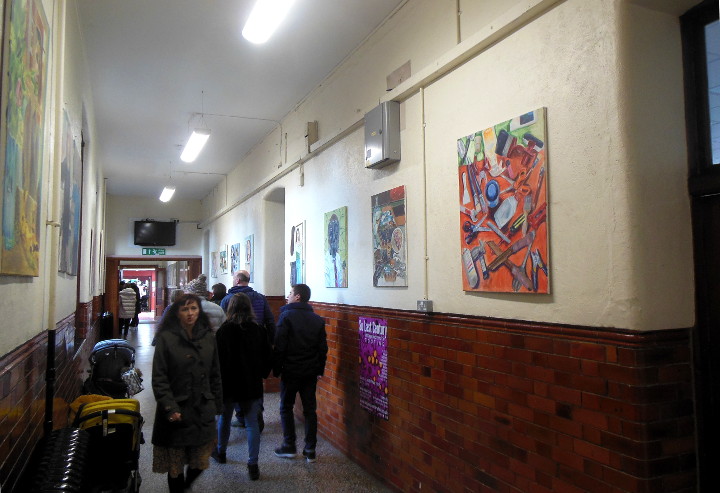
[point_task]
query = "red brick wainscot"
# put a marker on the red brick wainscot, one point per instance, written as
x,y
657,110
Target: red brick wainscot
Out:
x,y
479,404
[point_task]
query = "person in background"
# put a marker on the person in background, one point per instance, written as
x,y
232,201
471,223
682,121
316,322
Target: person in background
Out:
x,y
263,315
245,360
126,307
299,360
187,386
174,295
136,316
215,314
219,291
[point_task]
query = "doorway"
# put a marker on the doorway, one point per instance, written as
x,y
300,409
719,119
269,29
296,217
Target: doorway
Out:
x,y
114,265
701,60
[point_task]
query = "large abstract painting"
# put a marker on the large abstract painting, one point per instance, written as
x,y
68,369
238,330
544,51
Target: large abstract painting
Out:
x,y
389,238
502,177
336,248
70,183
25,50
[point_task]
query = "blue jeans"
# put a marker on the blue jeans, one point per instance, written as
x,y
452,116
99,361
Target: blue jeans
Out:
x,y
250,409
288,390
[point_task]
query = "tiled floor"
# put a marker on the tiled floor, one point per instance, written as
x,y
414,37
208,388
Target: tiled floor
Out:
x,y
332,472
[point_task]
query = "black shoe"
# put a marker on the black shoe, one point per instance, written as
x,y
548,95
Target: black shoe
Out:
x,y
286,451
309,455
220,457
254,472
191,476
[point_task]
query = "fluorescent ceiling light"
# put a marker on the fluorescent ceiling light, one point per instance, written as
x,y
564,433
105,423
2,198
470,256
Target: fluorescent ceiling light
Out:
x,y
167,194
265,17
195,144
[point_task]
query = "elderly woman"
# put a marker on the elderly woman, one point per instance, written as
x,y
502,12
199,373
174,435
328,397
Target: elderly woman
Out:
x,y
187,386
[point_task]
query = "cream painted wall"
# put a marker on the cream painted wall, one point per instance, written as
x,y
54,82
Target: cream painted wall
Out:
x,y
122,211
610,76
52,294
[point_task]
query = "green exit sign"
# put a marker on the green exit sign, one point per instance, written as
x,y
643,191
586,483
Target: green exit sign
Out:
x,y
153,251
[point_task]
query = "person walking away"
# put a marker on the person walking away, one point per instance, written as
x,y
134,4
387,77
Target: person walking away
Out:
x,y
188,390
126,308
215,314
263,315
136,316
245,360
299,360
219,292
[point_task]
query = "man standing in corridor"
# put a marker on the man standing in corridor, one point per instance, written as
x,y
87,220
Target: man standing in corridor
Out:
x,y
300,355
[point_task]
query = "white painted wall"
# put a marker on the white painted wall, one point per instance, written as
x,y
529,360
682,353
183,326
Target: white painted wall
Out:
x,y
610,76
123,211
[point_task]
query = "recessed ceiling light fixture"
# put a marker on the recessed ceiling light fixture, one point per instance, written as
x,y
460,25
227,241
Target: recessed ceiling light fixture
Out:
x,y
195,144
167,194
264,18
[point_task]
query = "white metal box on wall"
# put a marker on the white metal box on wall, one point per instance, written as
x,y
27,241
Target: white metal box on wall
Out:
x,y
382,135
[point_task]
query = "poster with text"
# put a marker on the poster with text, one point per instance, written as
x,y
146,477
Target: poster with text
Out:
x,y
502,190
336,248
373,366
389,238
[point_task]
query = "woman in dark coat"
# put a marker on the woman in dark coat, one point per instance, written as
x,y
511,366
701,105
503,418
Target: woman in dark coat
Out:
x,y
187,387
245,359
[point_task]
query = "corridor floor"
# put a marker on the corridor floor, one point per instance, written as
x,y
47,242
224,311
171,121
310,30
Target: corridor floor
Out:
x,y
332,472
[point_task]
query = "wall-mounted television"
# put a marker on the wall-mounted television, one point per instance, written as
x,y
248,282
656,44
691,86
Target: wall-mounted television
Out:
x,y
155,233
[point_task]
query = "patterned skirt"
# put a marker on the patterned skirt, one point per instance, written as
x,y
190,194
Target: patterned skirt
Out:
x,y
172,460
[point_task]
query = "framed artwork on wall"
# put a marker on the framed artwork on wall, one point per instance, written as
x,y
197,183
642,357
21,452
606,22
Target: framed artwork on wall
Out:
x,y
70,184
250,256
502,185
223,260
336,248
389,238
25,41
297,254
214,264
234,258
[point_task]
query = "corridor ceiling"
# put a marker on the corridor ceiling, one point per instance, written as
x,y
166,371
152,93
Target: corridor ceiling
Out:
x,y
156,65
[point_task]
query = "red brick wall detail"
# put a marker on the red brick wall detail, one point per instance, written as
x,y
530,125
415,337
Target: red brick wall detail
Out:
x,y
490,405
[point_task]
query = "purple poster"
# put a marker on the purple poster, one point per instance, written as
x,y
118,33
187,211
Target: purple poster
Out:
x,y
373,366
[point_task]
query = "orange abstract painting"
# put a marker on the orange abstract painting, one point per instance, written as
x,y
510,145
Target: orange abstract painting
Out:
x,y
502,183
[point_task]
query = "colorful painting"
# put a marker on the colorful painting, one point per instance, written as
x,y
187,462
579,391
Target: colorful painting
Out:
x,y
70,183
336,248
297,253
373,366
234,258
25,50
214,264
389,238
250,256
502,177
223,260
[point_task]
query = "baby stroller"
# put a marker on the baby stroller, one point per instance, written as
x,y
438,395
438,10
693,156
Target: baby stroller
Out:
x,y
112,370
115,430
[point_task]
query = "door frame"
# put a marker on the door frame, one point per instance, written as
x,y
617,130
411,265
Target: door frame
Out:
x,y
112,277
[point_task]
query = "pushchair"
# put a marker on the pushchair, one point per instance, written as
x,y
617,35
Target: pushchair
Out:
x,y
115,430
112,370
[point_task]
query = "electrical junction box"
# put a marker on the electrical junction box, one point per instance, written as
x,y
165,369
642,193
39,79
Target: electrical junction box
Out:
x,y
382,135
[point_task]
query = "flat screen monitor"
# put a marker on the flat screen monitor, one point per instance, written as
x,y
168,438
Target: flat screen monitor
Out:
x,y
155,233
